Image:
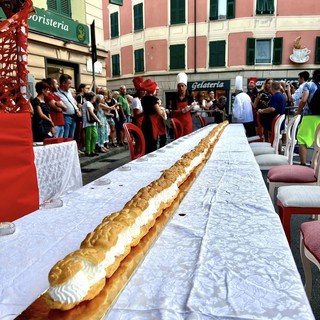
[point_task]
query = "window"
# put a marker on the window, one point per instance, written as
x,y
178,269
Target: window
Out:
x,y
177,56
116,65
317,51
222,9
264,51
138,17
265,7
114,25
217,53
60,6
139,60
178,11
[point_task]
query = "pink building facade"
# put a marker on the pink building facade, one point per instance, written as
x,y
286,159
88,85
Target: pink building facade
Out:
x,y
213,41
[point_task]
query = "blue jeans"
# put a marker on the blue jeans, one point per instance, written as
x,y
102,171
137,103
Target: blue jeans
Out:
x,y
69,127
59,131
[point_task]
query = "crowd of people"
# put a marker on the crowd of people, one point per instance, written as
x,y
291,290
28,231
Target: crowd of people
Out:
x,y
95,120
273,98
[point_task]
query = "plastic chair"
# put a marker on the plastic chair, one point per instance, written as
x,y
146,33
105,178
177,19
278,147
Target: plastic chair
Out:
x,y
309,251
259,137
273,148
177,128
203,121
286,175
297,200
267,161
255,144
136,141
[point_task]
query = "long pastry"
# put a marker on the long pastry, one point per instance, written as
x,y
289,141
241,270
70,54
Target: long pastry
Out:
x,y
81,275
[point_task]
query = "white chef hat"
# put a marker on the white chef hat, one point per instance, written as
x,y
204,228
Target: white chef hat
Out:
x,y
238,83
182,78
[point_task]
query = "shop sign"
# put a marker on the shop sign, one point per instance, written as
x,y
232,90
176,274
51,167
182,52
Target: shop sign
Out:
x,y
208,85
260,82
58,26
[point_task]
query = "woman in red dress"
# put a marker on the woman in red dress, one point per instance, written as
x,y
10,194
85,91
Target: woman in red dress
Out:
x,y
153,114
181,104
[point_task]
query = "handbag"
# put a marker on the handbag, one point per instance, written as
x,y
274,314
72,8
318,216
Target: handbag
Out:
x,y
90,118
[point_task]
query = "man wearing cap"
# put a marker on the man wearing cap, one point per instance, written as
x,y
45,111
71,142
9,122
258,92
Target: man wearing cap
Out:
x,y
242,109
252,91
181,104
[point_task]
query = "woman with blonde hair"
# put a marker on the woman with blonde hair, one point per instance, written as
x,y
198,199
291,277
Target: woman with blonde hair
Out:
x,y
112,115
103,131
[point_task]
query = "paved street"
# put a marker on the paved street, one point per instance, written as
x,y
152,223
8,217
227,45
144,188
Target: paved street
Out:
x,y
94,167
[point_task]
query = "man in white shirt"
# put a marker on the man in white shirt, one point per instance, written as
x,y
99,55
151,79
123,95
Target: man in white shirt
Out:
x,y
296,97
72,109
242,109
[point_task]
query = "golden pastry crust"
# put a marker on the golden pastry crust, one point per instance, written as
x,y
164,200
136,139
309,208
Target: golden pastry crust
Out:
x,y
105,236
64,270
67,267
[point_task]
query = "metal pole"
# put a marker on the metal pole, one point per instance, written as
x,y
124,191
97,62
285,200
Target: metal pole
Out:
x,y
195,36
93,53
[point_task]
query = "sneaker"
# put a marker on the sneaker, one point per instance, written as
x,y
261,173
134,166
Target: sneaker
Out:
x,y
81,153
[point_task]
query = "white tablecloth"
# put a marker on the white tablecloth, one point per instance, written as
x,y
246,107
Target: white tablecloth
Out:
x,y
227,257
58,169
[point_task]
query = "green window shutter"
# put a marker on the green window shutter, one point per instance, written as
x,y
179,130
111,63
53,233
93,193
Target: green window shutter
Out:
x,y
115,65
114,25
65,7
277,51
317,51
213,15
138,17
217,53
251,43
231,9
139,60
265,7
177,57
60,6
178,11
52,5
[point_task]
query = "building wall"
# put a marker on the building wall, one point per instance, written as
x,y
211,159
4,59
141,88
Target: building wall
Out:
x,y
290,20
44,45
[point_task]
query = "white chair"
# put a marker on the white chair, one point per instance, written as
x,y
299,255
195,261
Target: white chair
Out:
x,y
267,161
309,251
259,137
286,175
259,148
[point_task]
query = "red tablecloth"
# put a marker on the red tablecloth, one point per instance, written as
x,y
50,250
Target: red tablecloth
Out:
x,y
18,178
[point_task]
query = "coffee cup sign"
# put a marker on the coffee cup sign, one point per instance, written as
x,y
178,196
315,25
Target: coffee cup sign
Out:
x,y
301,54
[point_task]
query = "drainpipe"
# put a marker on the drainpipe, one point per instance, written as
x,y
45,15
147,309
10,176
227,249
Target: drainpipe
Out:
x,y
195,36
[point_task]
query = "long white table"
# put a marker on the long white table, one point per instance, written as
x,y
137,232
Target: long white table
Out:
x,y
58,169
226,258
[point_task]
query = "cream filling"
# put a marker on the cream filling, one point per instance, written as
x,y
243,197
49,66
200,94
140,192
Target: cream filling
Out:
x,y
78,286
75,290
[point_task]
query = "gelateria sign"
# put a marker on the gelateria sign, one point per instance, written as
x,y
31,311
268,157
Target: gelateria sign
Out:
x,y
208,85
58,26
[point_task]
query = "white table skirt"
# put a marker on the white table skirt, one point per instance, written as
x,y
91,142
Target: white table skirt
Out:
x,y
227,257
58,169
